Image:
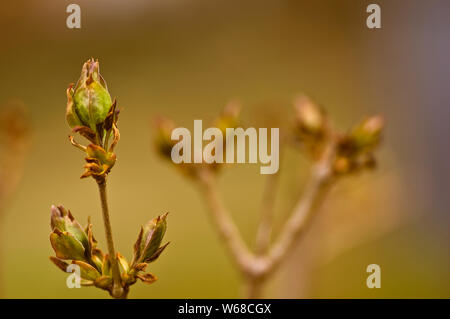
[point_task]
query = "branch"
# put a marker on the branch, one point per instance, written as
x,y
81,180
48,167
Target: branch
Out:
x,y
117,290
264,232
224,224
256,268
303,211
267,212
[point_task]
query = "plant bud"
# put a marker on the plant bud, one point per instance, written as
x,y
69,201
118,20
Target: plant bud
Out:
x,y
367,134
229,118
163,139
89,102
341,165
63,220
147,247
309,117
66,246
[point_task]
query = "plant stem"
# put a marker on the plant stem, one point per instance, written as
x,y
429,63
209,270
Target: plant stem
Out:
x,y
117,291
224,224
256,268
266,219
304,210
253,287
264,232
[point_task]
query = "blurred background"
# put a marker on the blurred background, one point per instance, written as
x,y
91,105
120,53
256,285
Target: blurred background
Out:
x,y
186,59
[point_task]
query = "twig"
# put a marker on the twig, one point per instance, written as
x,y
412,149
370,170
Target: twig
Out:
x,y
303,210
117,290
224,224
264,232
256,268
267,212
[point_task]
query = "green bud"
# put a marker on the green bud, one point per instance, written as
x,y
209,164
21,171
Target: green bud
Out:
x,y
147,247
89,102
63,220
367,134
66,246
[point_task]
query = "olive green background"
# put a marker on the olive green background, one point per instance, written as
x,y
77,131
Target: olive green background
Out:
x,y
186,59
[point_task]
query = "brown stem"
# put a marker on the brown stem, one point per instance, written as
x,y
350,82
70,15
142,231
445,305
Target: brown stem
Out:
x,y
304,210
266,219
253,287
117,291
264,232
256,268
224,224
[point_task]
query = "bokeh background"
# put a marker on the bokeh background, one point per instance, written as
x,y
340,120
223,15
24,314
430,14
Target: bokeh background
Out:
x,y
186,59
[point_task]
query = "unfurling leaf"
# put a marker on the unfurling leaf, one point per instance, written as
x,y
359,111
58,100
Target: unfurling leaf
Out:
x,y
87,271
147,278
66,246
157,253
63,220
106,268
123,263
59,263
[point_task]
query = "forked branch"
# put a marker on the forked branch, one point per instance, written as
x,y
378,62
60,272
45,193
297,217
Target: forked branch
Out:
x,y
256,267
334,154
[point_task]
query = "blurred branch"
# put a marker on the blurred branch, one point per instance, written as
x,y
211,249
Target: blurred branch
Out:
x,y
257,267
304,209
14,145
223,222
334,154
264,232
